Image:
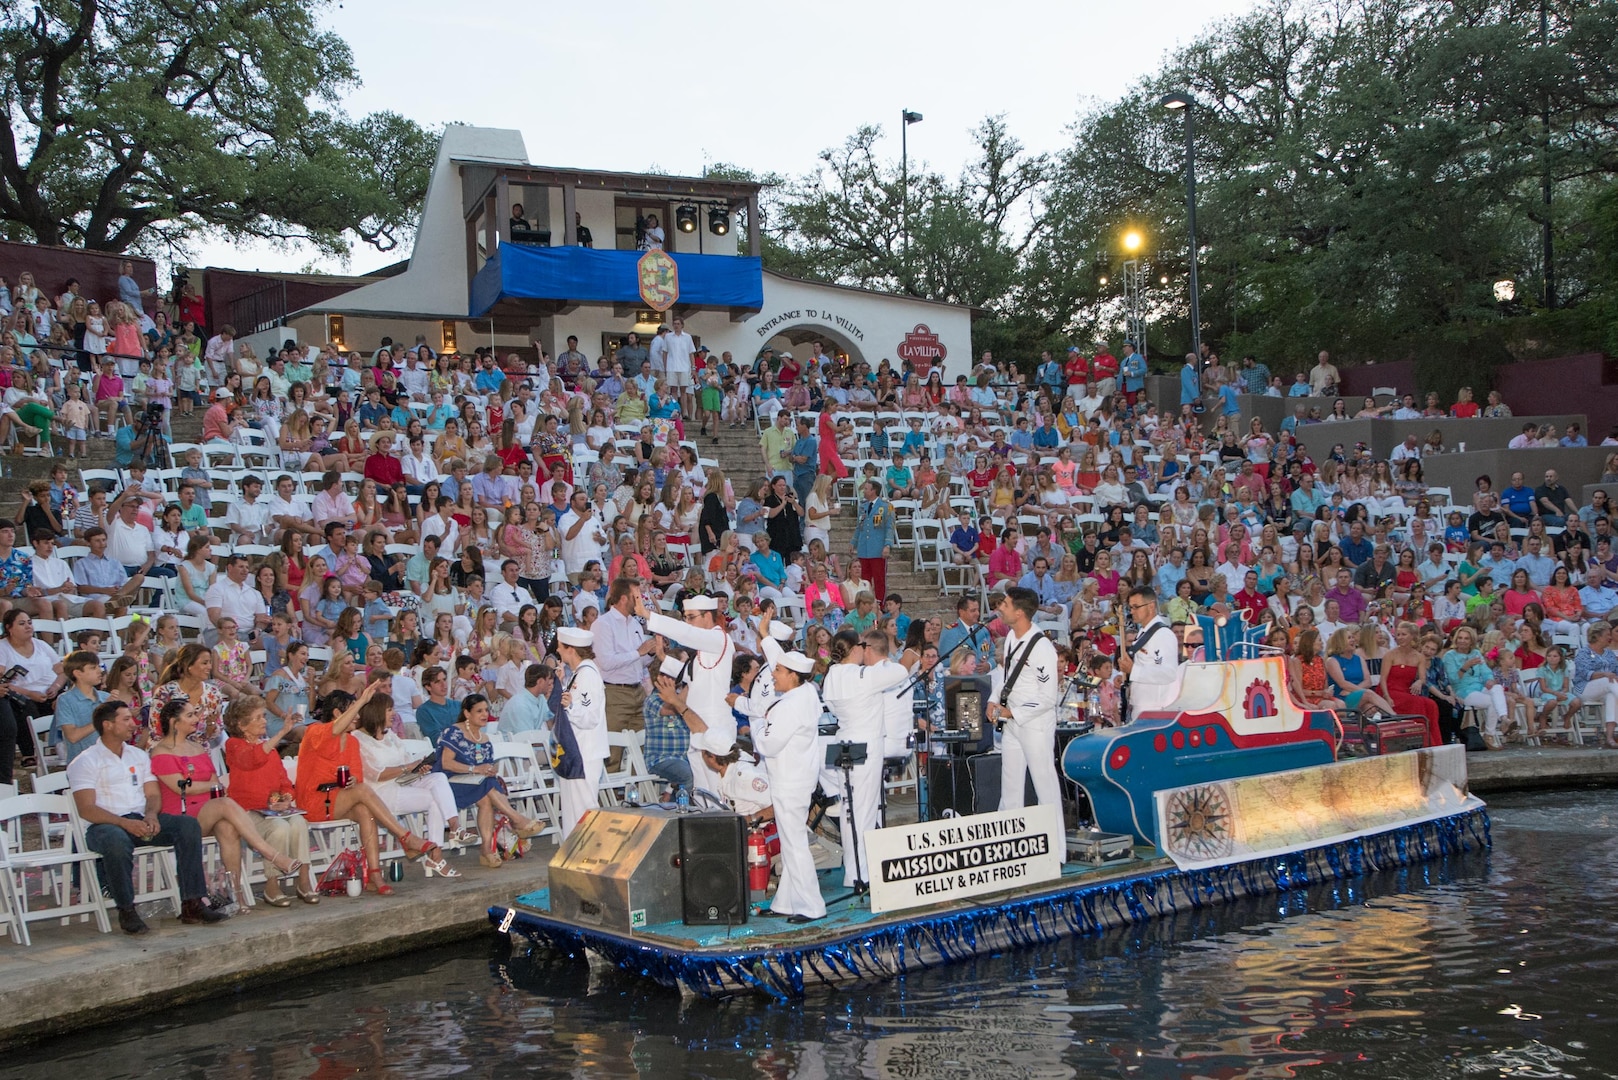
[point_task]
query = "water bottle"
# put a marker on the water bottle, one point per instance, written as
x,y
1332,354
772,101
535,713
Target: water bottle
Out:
x,y
632,796
682,798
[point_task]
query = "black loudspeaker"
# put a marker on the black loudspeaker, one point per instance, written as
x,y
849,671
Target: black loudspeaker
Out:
x,y
713,869
986,784
949,786
967,785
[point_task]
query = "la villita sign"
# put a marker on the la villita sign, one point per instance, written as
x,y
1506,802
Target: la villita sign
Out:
x,y
922,348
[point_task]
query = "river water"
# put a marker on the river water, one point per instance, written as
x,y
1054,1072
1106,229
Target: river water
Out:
x,y
1492,965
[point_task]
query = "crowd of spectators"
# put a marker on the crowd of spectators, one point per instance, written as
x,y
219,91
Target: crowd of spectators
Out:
x,y
367,548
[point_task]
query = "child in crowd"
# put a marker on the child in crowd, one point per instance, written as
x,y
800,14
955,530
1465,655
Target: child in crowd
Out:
x,y
1456,535
1108,692
377,614
193,472
75,418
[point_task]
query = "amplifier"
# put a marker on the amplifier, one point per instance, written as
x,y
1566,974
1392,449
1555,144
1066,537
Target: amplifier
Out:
x,y
617,870
965,698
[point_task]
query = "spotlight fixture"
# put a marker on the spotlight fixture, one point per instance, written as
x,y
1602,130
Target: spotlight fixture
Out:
x,y
1103,280
685,218
1164,280
718,220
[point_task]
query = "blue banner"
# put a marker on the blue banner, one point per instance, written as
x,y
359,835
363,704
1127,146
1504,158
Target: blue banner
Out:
x,y
585,275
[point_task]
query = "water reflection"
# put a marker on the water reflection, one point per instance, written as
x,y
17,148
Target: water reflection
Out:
x,y
1497,965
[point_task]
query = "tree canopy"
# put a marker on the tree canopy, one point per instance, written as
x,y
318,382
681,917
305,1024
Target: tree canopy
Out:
x,y
136,125
1366,173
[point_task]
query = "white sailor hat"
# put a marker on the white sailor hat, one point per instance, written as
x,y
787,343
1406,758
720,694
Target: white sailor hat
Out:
x,y
781,631
671,666
700,603
572,635
798,662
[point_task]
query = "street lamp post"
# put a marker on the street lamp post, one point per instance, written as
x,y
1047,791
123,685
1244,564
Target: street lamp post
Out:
x,y
906,118
1179,100
1132,292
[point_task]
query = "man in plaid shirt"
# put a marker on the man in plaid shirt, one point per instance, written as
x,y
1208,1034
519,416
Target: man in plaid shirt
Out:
x,y
667,740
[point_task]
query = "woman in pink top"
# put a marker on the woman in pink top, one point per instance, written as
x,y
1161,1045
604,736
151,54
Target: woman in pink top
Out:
x,y
1519,594
1064,471
107,390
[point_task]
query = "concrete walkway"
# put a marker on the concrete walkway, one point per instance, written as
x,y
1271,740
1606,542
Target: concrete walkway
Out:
x,y
74,977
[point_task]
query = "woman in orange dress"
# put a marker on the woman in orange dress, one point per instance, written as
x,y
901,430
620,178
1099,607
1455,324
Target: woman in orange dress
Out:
x,y
329,745
1306,673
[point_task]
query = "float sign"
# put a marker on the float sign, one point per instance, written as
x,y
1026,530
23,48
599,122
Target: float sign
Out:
x,y
933,862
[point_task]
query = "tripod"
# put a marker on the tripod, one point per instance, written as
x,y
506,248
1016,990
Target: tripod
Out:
x,y
844,756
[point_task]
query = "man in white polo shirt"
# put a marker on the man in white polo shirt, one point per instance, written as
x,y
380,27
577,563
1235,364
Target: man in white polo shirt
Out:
x,y
231,597
118,798
678,356
128,541
285,514
584,538
249,519
55,581
507,596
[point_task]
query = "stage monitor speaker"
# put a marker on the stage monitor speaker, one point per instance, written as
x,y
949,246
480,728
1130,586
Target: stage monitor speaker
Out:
x,y
713,869
965,699
618,870
967,785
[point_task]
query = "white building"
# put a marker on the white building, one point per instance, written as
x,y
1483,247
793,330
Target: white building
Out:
x,y
481,273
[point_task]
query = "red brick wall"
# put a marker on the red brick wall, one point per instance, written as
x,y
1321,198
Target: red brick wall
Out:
x,y
1564,384
97,271
220,287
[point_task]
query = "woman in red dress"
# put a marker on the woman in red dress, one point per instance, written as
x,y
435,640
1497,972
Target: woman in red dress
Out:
x,y
1403,669
831,463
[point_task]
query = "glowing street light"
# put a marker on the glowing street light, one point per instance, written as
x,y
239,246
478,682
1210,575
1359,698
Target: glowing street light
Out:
x,y
1180,102
1132,241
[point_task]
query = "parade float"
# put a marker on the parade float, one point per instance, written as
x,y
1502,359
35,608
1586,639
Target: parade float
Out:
x,y
1232,792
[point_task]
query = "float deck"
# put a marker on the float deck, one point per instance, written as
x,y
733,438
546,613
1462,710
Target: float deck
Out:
x,y
851,944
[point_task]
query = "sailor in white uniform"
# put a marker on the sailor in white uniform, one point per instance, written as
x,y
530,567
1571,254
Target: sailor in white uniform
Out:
x,y
787,738
703,705
1152,661
757,701
1026,703
743,784
585,699
854,693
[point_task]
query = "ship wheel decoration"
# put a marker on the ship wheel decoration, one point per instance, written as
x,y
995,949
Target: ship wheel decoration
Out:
x,y
1199,822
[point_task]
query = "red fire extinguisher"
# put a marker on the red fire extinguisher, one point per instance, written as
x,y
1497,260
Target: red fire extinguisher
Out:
x,y
758,864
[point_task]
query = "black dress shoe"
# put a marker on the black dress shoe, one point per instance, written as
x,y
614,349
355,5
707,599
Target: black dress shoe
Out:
x,y
770,913
194,912
130,922
799,920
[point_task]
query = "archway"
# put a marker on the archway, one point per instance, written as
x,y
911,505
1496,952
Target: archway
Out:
x,y
797,338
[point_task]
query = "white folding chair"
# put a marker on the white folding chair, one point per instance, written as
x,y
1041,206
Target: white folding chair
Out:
x,y
52,857
46,753
631,771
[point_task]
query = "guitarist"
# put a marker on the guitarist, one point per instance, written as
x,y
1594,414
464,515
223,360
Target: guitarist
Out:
x,y
1026,708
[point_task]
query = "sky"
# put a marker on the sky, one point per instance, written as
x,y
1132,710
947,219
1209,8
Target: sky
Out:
x,y
627,84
